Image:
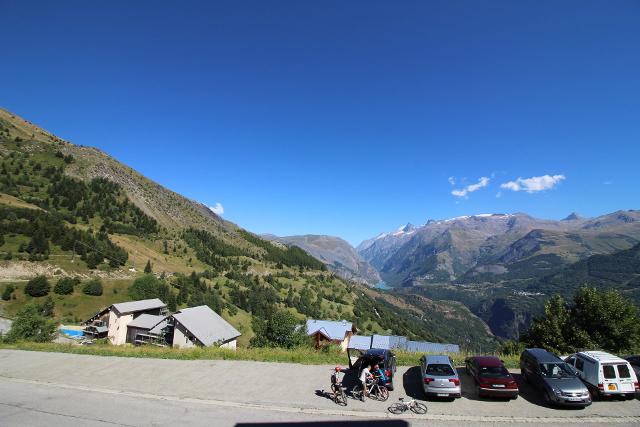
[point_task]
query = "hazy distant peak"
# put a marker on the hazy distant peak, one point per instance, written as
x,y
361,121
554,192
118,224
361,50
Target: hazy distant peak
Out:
x,y
572,217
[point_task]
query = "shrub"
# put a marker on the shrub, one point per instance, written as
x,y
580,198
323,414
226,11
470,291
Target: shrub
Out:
x,y
511,348
6,294
93,260
93,287
145,287
281,329
594,319
30,325
65,285
47,308
37,287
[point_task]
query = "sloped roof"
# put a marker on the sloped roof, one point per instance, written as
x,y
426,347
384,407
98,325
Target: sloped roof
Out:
x,y
391,342
360,342
206,325
431,347
332,329
388,342
145,321
142,305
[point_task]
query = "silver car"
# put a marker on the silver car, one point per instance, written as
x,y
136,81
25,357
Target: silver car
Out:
x,y
439,377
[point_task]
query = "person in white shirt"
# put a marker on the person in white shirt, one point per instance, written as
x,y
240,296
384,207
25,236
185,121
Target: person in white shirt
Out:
x,y
364,375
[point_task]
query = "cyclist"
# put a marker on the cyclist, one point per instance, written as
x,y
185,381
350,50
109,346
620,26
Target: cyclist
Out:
x,y
365,376
337,376
378,375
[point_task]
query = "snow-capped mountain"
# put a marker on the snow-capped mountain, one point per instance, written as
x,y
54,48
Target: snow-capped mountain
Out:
x,y
472,246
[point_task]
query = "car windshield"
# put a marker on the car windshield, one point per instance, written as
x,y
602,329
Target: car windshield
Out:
x,y
440,370
555,370
493,372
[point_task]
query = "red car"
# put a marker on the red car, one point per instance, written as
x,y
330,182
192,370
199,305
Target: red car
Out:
x,y
492,378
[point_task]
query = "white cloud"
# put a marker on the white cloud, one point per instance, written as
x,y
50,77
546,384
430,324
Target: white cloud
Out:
x,y
482,182
533,184
217,209
452,180
608,182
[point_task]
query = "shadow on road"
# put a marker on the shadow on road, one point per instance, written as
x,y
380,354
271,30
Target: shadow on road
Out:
x,y
324,393
349,381
411,382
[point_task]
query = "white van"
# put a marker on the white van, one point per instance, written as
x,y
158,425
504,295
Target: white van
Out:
x,y
605,374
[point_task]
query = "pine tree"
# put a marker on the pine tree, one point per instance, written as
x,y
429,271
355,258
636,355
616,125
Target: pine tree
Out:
x,y
172,302
47,308
147,268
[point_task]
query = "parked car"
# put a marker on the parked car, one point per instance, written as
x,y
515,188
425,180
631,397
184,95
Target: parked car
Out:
x,y
385,359
558,381
635,364
605,374
439,377
491,377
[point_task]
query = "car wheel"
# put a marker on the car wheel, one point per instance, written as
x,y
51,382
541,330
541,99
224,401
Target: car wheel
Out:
x,y
390,386
547,399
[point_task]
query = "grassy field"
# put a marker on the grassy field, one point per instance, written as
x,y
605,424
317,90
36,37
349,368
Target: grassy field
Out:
x,y
72,308
305,356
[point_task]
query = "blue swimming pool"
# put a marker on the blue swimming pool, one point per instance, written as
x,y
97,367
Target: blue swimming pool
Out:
x,y
73,333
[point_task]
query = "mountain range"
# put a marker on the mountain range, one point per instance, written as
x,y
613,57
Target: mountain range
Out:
x,y
336,253
504,266
495,247
67,210
466,278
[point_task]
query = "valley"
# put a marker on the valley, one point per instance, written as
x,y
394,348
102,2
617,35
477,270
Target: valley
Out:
x,y
504,266
72,211
69,211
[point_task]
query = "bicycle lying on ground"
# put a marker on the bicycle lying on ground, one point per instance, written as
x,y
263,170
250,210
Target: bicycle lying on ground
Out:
x,y
413,405
375,390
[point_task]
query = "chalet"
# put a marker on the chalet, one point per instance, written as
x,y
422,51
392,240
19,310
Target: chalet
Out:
x,y
117,317
150,329
201,326
325,332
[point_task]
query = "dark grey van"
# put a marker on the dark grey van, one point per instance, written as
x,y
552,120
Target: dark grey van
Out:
x,y
557,380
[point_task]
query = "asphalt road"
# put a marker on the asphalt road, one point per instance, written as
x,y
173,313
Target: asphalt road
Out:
x,y
64,389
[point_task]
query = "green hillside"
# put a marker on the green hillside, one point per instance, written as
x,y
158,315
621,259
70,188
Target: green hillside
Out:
x,y
72,211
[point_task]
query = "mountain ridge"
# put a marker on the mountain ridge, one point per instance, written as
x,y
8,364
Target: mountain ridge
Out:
x,y
336,253
73,211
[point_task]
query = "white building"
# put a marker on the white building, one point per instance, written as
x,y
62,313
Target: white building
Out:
x,y
201,326
117,317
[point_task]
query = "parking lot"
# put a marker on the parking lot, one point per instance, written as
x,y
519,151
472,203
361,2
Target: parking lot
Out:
x,y
270,388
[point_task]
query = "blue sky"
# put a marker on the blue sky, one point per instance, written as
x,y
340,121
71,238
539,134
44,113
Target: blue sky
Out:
x,y
343,118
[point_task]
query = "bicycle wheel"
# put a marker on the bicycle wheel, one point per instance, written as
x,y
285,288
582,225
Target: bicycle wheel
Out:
x,y
419,408
341,397
383,393
358,393
334,393
397,408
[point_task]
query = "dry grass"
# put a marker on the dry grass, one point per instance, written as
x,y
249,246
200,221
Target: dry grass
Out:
x,y
304,356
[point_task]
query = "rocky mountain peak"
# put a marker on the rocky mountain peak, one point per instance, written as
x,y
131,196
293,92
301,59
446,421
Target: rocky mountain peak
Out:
x,y
572,217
